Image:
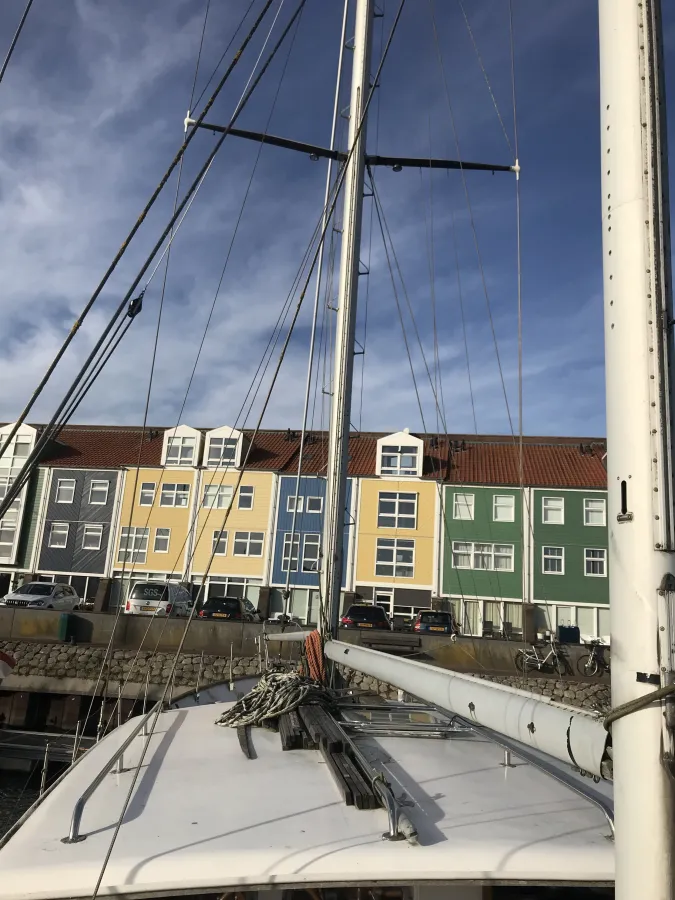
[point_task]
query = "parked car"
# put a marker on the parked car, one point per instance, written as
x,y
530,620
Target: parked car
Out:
x,y
157,598
365,615
438,622
232,608
43,595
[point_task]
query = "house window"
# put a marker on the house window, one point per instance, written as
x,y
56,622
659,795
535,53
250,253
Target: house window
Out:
x,y
314,504
311,552
92,536
180,451
65,490
58,534
594,511
463,507
147,497
553,510
248,543
222,451
98,492
174,495
397,510
596,563
219,547
291,505
162,538
395,558
217,496
503,508
133,545
246,492
488,557
289,559
397,460
553,560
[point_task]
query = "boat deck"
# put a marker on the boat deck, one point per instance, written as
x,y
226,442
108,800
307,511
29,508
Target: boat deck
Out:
x,y
204,817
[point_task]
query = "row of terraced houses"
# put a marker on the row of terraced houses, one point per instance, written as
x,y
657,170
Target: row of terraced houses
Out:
x,y
431,521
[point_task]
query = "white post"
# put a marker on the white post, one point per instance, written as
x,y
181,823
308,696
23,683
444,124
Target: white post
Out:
x,y
333,552
637,305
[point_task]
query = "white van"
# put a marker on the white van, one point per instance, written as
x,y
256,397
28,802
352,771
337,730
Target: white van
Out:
x,y
158,598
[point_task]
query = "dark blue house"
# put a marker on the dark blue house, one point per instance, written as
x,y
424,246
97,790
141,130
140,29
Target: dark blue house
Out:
x,y
300,556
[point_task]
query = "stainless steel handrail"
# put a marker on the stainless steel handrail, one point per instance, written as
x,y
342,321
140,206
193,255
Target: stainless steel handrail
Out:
x,y
74,835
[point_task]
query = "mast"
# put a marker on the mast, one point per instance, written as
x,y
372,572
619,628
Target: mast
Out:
x,y
638,352
338,442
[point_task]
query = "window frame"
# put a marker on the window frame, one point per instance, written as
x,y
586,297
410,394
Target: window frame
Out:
x,y
602,550
395,498
224,442
314,512
396,450
290,551
489,550
97,528
220,536
544,557
470,506
543,510
239,539
52,527
290,503
187,440
510,497
220,492
602,524
166,537
249,493
172,489
144,490
98,483
314,543
395,565
64,481
135,532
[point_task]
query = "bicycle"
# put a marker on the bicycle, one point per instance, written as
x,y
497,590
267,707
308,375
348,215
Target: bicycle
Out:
x,y
554,660
593,663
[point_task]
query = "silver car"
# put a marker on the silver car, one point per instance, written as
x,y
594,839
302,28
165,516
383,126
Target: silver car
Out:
x,y
43,595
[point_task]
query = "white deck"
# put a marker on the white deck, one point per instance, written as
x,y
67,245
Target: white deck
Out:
x,y
205,817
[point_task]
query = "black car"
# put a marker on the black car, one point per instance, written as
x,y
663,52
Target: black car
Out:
x,y
430,620
365,615
233,608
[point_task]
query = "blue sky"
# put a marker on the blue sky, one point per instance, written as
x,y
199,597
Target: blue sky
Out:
x,y
91,112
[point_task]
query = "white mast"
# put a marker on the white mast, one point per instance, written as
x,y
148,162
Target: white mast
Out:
x,y
338,445
638,313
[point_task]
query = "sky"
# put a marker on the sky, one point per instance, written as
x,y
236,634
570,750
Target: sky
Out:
x,y
91,114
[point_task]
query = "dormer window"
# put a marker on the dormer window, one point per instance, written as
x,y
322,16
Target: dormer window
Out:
x,y
222,451
180,451
399,459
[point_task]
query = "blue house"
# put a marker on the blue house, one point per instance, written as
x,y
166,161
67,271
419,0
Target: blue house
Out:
x,y
297,559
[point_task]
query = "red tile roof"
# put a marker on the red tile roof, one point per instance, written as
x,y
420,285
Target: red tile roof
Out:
x,y
458,459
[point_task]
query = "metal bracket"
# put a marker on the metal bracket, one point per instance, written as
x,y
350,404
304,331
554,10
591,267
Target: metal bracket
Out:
x,y
647,678
625,517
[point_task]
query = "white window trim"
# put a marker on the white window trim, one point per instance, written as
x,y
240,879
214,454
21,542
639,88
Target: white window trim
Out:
x,y
219,489
396,514
396,541
248,544
216,538
562,558
314,512
602,524
163,537
290,538
221,463
300,506
181,440
174,493
250,492
397,472
154,493
51,532
317,543
97,529
562,510
596,550
132,532
510,497
61,481
470,506
472,551
91,490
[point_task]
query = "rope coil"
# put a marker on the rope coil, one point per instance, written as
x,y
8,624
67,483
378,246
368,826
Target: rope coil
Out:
x,y
275,694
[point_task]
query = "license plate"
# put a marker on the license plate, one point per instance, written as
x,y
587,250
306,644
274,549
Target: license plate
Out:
x,y
221,615
148,608
365,624
436,628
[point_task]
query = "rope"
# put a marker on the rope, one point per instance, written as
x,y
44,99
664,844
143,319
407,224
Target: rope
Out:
x,y
633,706
275,694
316,661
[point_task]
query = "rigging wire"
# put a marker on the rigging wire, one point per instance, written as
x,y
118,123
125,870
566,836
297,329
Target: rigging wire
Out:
x,y
125,244
17,34
52,430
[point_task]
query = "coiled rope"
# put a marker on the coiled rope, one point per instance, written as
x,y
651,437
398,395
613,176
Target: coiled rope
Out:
x,y
275,694
316,662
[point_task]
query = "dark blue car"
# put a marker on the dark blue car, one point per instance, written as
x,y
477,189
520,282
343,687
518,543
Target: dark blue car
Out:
x,y
435,622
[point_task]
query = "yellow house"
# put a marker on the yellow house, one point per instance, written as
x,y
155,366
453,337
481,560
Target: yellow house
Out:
x,y
156,510
396,546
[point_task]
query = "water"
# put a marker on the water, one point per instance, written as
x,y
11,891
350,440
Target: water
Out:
x,y
18,790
